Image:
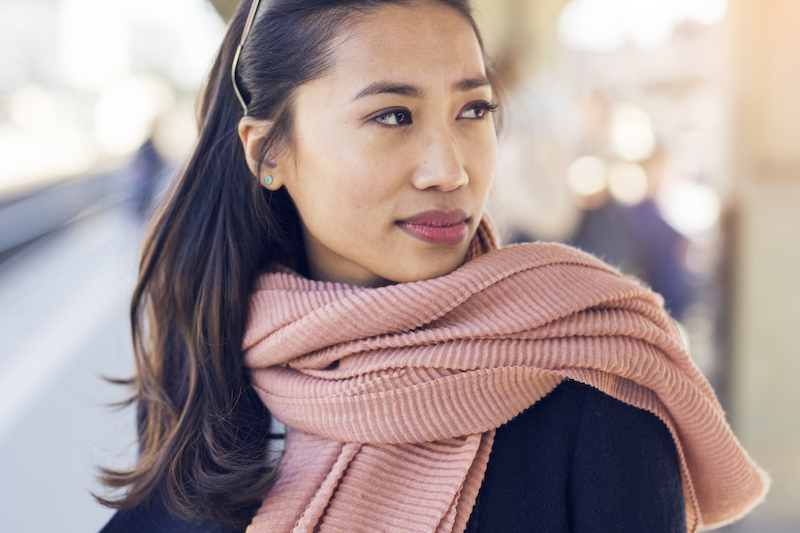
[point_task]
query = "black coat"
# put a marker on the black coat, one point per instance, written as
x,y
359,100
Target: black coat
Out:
x,y
577,461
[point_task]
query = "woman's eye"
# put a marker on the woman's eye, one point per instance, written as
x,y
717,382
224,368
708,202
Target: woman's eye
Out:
x,y
395,117
478,110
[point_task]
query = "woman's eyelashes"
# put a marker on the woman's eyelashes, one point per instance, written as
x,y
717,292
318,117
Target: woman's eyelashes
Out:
x,y
394,117
478,110
402,116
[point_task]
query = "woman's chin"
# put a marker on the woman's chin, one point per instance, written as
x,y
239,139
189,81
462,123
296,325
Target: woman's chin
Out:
x,y
426,267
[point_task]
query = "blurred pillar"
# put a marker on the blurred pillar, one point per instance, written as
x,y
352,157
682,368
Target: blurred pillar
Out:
x,y
765,45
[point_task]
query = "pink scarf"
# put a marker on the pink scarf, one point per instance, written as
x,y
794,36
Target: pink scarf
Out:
x,y
393,394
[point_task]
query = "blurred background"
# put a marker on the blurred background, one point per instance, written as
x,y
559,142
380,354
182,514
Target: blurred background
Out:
x,y
661,135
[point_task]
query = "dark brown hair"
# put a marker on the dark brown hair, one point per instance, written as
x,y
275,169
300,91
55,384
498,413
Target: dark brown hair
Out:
x,y
202,429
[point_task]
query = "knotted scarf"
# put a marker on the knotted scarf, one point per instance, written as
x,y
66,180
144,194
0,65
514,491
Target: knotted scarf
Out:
x,y
393,394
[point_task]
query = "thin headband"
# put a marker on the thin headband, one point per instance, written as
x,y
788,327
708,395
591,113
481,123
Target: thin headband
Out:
x,y
247,27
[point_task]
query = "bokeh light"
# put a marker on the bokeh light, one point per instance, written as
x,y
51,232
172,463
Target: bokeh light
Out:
x,y
648,23
587,176
591,25
691,208
632,133
627,182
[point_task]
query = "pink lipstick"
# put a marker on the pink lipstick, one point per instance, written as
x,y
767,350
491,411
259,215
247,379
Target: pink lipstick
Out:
x,y
443,228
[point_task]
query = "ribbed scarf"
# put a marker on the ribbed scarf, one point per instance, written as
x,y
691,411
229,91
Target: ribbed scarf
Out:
x,y
393,394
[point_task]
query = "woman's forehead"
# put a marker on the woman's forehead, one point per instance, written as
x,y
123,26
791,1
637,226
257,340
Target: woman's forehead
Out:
x,y
426,42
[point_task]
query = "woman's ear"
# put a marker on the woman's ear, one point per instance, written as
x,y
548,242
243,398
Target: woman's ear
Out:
x,y
252,133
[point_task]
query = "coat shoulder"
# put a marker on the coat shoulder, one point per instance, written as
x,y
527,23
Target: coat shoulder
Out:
x,y
153,517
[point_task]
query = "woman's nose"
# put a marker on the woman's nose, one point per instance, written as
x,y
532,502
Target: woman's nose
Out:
x,y
441,165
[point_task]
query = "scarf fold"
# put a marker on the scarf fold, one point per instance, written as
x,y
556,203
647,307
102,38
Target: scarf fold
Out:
x,y
393,393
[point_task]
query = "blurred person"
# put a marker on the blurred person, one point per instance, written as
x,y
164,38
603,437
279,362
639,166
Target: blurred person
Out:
x,y
145,172
639,240
325,258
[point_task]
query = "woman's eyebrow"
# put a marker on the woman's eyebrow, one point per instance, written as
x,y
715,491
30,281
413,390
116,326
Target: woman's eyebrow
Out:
x,y
472,83
383,87
412,91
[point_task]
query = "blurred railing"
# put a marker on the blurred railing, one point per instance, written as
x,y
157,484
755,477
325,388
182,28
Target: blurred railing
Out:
x,y
26,217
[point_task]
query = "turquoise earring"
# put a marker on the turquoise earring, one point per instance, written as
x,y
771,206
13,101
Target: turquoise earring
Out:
x,y
268,180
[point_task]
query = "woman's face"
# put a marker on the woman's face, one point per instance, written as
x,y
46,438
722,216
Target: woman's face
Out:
x,y
393,152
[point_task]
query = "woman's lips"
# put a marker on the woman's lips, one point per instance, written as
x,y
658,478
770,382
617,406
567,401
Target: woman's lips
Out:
x,y
444,228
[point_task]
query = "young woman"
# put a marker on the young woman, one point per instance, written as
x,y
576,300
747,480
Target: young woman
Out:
x,y
325,258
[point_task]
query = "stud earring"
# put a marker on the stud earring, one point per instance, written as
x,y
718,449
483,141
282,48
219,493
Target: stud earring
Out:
x,y
268,180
